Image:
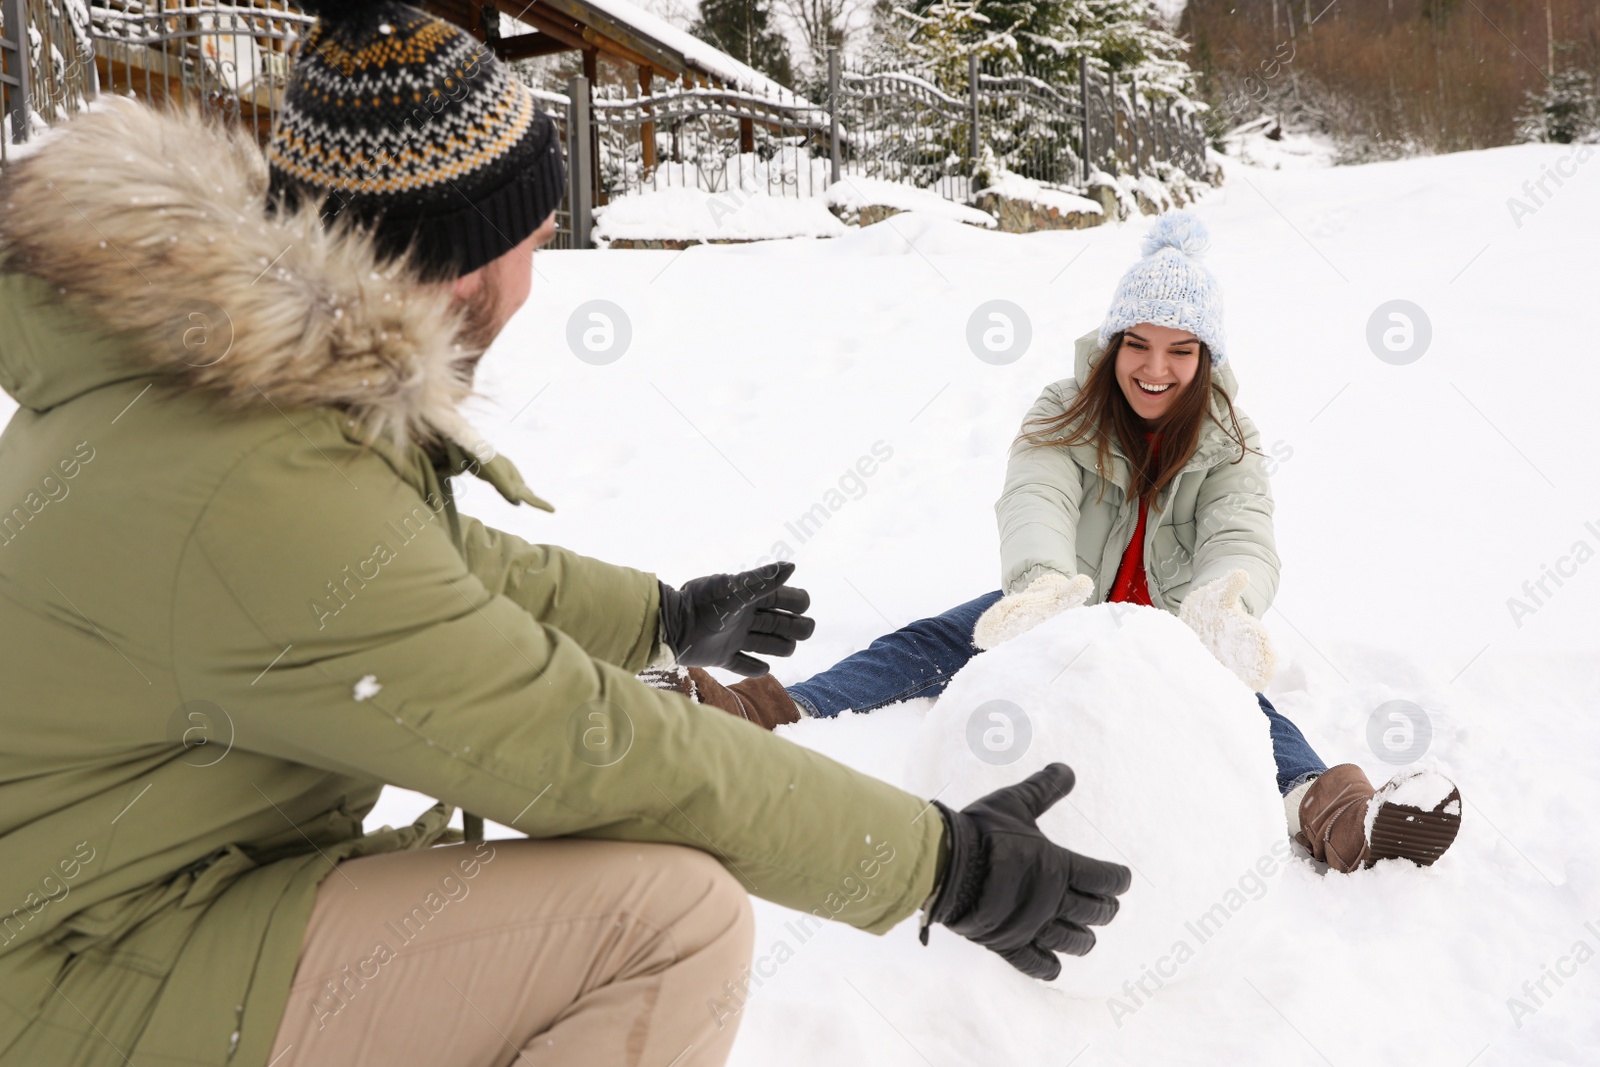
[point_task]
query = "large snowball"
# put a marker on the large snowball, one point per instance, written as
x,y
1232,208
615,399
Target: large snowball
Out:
x,y
1175,776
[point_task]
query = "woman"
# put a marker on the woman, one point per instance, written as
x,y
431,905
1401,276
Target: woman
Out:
x,y
1137,482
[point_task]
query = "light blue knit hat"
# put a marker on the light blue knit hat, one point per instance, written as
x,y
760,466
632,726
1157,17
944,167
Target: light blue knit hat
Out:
x,y
1170,286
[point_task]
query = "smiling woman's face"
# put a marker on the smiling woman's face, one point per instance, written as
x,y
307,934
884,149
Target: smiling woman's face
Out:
x,y
1154,365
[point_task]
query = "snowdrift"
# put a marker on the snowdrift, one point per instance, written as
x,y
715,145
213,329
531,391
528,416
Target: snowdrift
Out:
x,y
1175,777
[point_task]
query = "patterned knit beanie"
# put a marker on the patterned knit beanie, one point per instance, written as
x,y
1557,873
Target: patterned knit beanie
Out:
x,y
406,124
1170,286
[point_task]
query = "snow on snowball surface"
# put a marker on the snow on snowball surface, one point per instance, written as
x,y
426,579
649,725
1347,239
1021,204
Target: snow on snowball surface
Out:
x,y
1175,776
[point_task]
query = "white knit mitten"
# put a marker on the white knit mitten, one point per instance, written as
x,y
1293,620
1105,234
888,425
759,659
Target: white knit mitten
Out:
x,y
1229,632
1046,597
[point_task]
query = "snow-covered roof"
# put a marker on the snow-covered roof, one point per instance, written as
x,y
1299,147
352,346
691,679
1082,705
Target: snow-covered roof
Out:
x,y
694,53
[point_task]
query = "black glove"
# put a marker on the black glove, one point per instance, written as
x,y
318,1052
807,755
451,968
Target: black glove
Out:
x,y
1014,891
714,621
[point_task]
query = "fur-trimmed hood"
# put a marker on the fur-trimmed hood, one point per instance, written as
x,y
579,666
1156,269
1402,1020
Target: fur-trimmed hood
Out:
x,y
156,224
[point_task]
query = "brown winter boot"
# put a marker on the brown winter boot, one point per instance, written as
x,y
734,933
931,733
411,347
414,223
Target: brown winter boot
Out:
x,y
1416,818
762,701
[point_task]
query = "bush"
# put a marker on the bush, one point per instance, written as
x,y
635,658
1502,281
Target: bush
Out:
x,y
1567,111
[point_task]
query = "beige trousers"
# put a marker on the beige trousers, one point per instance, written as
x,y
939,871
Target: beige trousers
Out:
x,y
535,953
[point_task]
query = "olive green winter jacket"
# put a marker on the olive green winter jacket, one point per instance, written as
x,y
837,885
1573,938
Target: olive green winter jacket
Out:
x,y
236,599
1061,514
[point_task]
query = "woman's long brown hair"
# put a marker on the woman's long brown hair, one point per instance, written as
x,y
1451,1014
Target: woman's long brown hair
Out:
x,y
1100,413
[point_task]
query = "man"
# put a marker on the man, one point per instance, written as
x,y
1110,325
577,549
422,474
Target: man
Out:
x,y
236,599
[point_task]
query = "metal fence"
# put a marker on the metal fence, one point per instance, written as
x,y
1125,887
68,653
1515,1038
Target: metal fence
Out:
x,y
45,74
711,139
1032,124
560,109
900,124
16,74
897,124
228,58
1131,132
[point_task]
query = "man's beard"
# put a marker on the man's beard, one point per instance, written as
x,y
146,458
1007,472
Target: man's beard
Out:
x,y
480,321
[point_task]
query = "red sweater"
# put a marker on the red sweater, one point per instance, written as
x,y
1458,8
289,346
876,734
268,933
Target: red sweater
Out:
x,y
1131,585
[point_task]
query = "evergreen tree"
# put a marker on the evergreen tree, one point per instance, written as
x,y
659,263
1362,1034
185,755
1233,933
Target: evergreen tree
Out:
x,y
1048,36
1566,111
744,30
1043,38
940,38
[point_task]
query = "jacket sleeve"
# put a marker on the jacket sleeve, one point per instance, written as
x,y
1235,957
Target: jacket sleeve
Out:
x,y
338,639
612,612
1038,510
1233,525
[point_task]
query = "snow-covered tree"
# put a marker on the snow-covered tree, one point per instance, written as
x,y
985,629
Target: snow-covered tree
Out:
x,y
1049,36
744,29
1565,111
821,25
1043,40
940,38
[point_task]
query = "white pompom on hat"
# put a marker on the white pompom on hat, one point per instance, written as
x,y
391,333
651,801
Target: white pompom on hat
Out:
x,y
1170,286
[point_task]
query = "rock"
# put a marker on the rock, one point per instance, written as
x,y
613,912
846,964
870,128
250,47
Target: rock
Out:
x,y
675,244
874,213
1106,195
1025,216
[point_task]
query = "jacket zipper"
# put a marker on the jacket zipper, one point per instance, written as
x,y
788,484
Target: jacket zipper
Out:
x,y
1121,555
1149,579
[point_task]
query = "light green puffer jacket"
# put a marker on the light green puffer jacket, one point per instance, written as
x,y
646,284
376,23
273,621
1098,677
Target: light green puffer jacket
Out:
x,y
1060,513
199,542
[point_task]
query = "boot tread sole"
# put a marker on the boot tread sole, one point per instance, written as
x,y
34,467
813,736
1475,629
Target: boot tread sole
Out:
x,y
1404,831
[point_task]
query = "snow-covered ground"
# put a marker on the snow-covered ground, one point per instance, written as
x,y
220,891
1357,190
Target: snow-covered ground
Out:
x,y
1438,516
1253,144
791,196
1416,502
732,215
853,192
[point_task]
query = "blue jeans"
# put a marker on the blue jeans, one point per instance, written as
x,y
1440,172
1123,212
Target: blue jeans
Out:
x,y
918,660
